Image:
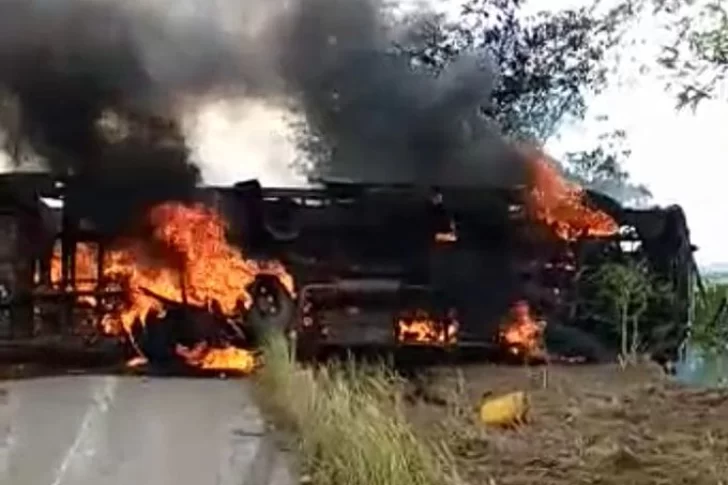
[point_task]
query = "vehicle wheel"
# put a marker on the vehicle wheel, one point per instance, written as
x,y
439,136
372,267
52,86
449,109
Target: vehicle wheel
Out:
x,y
156,341
272,311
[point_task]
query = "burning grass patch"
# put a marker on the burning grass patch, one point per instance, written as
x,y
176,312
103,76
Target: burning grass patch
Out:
x,y
349,423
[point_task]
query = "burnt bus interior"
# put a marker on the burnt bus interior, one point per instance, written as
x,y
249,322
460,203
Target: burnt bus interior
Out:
x,y
365,258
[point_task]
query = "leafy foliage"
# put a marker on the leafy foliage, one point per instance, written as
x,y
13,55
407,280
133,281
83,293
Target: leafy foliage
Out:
x,y
546,63
710,325
602,169
626,290
694,55
697,56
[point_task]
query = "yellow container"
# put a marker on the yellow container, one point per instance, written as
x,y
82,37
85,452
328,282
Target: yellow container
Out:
x,y
508,410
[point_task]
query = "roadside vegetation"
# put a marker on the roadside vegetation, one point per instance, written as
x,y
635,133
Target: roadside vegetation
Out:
x,y
627,288
348,422
710,326
362,425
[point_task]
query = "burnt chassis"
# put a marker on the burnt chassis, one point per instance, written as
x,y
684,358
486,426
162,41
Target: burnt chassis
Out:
x,y
39,321
56,321
360,256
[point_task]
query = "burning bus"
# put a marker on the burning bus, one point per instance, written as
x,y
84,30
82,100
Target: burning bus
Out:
x,y
491,270
444,235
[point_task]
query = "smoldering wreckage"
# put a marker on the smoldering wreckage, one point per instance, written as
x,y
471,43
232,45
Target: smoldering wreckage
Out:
x,y
142,263
342,265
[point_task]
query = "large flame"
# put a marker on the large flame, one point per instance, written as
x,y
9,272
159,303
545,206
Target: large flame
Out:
x,y
198,268
521,333
85,271
560,204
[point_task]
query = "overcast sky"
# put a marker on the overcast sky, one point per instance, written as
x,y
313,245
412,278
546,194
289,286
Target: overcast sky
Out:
x,y
680,157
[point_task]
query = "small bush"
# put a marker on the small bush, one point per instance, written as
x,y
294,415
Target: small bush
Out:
x,y
349,422
626,289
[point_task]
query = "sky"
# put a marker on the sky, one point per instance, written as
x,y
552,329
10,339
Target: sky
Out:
x,y
679,156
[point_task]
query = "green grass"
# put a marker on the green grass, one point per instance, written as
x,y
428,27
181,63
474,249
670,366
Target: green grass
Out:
x,y
348,422
706,333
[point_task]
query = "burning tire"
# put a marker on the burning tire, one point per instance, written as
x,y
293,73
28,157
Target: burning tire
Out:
x,y
273,309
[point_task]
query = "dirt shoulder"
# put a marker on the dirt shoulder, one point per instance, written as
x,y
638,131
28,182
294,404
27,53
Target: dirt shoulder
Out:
x,y
588,425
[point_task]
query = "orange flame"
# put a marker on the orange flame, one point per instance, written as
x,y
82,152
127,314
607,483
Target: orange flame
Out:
x,y
228,358
207,272
449,236
86,270
422,329
522,334
560,205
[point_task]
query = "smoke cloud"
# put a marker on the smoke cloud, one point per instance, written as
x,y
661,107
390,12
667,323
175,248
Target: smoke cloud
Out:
x,y
100,90
371,116
245,139
95,89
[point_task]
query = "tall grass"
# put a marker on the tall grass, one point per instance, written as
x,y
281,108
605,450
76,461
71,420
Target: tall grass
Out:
x,y
349,422
707,333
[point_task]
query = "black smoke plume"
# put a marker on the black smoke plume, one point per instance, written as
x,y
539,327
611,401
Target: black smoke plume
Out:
x,y
96,86
99,86
372,115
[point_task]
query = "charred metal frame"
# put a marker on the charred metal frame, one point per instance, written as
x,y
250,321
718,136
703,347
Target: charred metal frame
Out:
x,y
276,217
266,223
316,319
41,307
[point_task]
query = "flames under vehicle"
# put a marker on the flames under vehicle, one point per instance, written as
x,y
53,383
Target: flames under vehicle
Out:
x,y
367,265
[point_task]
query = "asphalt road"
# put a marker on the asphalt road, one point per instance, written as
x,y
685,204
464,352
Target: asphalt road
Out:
x,y
113,430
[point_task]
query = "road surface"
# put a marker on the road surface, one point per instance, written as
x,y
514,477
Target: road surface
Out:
x,y
114,430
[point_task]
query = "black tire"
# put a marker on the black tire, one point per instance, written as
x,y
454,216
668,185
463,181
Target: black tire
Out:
x,y
273,310
156,340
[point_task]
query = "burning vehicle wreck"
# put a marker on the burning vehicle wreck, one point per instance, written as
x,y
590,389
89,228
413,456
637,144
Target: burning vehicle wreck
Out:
x,y
441,234
490,270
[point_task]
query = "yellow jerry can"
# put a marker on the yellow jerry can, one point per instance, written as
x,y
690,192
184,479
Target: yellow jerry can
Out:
x,y
508,410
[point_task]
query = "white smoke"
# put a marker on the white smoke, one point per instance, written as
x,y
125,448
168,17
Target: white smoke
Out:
x,y
234,140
